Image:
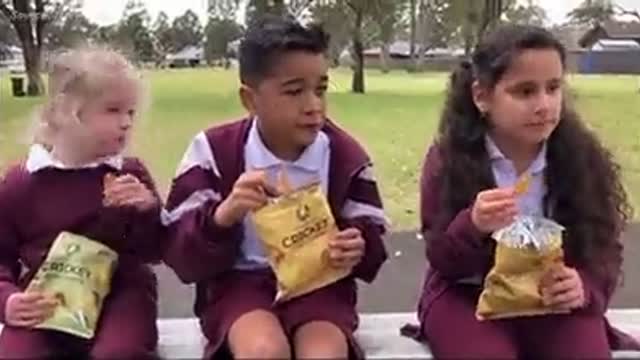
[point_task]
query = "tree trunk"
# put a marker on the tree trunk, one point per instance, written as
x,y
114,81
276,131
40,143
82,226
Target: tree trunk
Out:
x,y
384,57
471,22
279,7
29,28
412,36
31,55
423,28
334,55
357,85
491,16
468,44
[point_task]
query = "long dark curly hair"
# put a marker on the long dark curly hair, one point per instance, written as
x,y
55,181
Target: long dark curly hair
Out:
x,y
585,192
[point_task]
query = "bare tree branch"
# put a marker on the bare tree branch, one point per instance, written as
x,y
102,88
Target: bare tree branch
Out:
x,y
40,22
298,8
351,5
10,14
21,21
504,6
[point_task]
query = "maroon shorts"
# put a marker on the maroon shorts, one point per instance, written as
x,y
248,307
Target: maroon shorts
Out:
x,y
240,292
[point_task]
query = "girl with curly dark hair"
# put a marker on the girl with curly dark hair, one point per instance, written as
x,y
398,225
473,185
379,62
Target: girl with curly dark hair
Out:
x,y
506,115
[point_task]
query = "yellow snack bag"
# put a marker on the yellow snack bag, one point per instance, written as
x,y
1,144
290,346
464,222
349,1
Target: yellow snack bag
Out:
x,y
77,272
526,250
295,229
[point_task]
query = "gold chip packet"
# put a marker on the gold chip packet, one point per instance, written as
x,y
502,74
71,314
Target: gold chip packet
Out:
x,y
295,229
77,273
526,251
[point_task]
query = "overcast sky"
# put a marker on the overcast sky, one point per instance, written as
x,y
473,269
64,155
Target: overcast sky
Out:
x,y
99,12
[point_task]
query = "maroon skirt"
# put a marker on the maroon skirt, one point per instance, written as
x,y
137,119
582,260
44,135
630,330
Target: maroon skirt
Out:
x,y
239,292
127,328
447,314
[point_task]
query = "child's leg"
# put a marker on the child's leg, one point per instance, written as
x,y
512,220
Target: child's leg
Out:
x,y
453,332
237,317
22,343
320,340
127,327
321,324
573,336
258,335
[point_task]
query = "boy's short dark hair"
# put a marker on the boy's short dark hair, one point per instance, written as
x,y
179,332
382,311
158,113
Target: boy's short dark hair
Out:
x,y
272,36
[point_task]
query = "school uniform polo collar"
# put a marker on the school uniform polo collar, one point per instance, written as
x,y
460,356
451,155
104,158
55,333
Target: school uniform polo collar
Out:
x,y
537,166
261,157
40,158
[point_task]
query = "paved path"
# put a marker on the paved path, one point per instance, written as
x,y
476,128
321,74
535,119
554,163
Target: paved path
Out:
x,y
398,285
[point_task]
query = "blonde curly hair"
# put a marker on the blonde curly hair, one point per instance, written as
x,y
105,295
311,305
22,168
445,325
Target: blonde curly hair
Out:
x,y
79,74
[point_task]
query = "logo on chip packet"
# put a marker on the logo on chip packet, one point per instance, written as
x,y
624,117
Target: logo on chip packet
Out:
x,y
303,212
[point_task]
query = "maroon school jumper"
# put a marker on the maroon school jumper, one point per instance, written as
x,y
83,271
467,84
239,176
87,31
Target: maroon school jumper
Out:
x,y
447,308
201,252
34,209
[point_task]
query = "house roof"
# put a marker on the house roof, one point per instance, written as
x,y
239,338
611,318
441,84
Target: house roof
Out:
x,y
615,45
188,53
570,35
617,29
611,30
13,50
402,48
397,48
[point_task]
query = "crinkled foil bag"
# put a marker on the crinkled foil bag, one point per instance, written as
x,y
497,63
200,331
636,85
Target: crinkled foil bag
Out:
x,y
77,273
295,229
526,250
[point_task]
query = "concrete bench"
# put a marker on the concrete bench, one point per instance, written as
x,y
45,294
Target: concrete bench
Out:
x,y
379,335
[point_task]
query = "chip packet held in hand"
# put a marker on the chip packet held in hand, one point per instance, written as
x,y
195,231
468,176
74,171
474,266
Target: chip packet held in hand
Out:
x,y
526,250
77,273
295,229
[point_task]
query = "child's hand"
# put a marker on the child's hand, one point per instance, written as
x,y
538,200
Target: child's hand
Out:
x,y
562,288
346,248
494,209
250,192
127,190
28,309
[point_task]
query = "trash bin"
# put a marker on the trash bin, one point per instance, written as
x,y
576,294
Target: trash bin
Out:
x,y
17,86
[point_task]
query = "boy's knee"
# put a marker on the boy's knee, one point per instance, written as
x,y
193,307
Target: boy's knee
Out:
x,y
262,347
322,349
258,335
320,340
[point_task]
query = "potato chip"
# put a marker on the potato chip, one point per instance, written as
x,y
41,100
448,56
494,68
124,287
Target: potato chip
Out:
x,y
295,229
77,273
283,185
522,186
108,180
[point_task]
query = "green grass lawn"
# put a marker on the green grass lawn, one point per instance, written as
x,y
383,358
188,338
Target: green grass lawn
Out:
x,y
395,121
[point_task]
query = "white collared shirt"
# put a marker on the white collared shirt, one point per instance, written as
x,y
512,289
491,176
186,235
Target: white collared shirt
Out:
x,y
40,158
311,166
505,175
